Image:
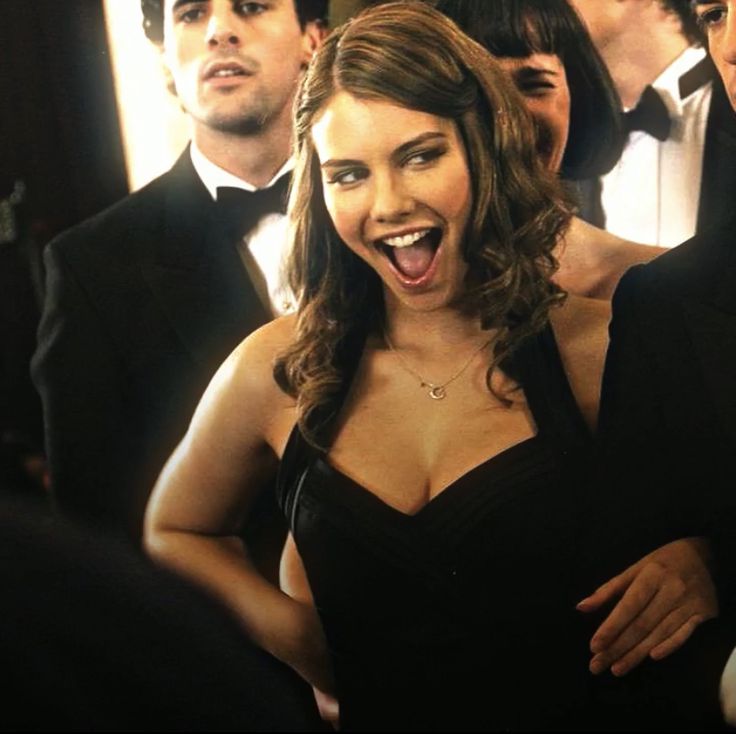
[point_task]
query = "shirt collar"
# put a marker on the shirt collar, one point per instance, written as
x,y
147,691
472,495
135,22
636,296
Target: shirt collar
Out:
x,y
213,176
667,83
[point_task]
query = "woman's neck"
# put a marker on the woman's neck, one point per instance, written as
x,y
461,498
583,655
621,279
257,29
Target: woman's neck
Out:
x,y
426,331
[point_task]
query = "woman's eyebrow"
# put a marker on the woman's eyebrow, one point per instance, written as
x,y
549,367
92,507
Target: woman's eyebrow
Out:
x,y
401,150
339,162
422,138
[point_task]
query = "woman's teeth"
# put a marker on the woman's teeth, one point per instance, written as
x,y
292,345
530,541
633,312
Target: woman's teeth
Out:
x,y
412,254
406,240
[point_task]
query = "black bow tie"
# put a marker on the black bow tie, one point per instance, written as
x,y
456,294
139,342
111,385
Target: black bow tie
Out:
x,y
649,115
239,210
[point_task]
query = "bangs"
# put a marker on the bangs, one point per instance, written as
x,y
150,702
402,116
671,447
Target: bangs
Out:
x,y
513,28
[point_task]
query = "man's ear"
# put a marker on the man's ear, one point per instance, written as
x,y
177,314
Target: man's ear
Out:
x,y
315,31
168,76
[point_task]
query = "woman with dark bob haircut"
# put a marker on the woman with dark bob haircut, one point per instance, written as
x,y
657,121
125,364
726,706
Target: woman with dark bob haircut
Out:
x,y
570,94
521,28
425,414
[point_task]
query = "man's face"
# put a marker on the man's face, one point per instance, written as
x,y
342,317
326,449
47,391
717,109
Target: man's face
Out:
x,y
718,20
603,19
235,64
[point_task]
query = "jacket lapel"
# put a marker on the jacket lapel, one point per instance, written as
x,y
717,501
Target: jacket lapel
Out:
x,y
197,276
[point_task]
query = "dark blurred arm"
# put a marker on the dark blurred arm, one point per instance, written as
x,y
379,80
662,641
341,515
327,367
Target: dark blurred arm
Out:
x,y
91,440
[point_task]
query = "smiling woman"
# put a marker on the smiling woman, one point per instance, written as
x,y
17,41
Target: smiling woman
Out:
x,y
403,206
425,415
396,144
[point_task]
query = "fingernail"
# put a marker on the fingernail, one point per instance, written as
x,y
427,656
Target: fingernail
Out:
x,y
582,604
596,645
596,666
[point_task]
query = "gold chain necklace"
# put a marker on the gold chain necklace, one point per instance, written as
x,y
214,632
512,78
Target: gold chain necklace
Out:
x,y
437,390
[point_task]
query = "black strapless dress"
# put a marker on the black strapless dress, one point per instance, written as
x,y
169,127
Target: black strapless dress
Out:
x,y
461,616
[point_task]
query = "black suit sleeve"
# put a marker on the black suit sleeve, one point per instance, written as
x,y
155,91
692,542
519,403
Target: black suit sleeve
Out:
x,y
661,444
642,503
79,376
648,492
625,414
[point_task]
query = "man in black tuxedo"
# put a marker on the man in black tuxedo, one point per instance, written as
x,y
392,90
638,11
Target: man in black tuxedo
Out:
x,y
147,298
681,151
668,410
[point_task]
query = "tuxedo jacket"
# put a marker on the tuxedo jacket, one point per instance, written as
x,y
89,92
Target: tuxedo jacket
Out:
x,y
667,437
718,180
668,409
144,301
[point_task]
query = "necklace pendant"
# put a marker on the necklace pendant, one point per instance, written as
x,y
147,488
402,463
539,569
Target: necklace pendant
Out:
x,y
437,392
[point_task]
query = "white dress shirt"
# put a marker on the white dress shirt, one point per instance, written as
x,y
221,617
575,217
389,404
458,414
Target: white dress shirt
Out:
x,y
652,194
266,242
728,690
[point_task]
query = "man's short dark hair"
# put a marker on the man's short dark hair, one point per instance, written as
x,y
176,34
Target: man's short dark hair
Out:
x,y
153,16
684,10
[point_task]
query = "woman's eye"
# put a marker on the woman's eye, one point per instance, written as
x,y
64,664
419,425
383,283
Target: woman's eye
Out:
x,y
420,157
535,89
711,17
345,178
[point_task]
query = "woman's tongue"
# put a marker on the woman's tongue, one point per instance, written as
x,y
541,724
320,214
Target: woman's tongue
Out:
x,y
414,261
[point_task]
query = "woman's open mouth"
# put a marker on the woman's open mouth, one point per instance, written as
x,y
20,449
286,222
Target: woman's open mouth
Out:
x,y
412,256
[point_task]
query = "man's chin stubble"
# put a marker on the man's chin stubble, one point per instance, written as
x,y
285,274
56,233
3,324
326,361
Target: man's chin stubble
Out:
x,y
243,125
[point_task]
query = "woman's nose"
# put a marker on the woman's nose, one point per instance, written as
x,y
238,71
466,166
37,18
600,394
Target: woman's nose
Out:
x,y
392,200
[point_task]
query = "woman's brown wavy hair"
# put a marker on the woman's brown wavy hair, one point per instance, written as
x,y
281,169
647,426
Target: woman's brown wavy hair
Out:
x,y
410,54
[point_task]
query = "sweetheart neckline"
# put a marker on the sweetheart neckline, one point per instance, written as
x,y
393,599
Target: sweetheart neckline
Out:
x,y
508,454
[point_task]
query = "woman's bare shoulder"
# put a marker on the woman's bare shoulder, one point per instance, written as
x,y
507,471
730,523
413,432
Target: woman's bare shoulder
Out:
x,y
580,318
245,381
592,261
257,353
581,331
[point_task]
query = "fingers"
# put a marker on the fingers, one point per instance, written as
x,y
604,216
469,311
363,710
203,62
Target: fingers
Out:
x,y
608,591
663,598
629,609
677,639
666,637
656,615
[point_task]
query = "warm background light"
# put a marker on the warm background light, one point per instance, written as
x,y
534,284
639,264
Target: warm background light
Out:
x,y
154,128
